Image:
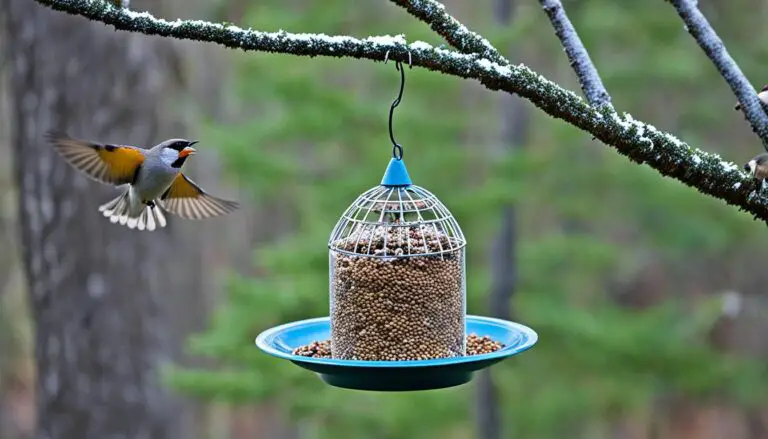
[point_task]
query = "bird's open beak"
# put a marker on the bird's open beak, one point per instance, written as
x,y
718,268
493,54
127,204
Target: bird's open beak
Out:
x,y
187,151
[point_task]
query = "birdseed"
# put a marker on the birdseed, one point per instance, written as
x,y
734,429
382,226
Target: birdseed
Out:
x,y
476,345
482,345
397,308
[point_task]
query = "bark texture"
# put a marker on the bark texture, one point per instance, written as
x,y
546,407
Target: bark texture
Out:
x,y
95,289
514,133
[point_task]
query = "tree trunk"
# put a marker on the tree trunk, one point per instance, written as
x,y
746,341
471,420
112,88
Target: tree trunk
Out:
x,y
514,124
96,290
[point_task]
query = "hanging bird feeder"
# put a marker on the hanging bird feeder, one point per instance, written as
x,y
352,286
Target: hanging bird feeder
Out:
x,y
397,297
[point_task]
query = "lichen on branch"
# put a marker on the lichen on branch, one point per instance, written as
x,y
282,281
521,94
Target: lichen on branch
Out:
x,y
639,141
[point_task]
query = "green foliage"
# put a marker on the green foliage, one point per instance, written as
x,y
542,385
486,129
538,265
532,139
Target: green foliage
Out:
x,y
316,136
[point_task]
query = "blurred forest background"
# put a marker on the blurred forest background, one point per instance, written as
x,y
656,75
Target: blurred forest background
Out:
x,y
648,296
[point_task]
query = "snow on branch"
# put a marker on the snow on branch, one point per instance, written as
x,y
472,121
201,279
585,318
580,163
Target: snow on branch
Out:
x,y
641,142
700,29
590,81
456,34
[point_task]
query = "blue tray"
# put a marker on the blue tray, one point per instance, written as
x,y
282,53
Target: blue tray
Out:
x,y
280,341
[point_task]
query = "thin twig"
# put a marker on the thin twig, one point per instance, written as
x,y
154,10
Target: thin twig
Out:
x,y
639,141
698,26
456,34
590,81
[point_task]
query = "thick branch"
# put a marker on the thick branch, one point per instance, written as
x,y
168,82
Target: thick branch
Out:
x,y
640,142
589,79
698,26
456,34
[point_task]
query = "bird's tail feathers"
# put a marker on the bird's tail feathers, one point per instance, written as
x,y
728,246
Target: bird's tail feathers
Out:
x,y
151,218
118,210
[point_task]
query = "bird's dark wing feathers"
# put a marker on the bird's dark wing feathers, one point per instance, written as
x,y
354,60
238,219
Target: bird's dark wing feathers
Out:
x,y
187,200
106,163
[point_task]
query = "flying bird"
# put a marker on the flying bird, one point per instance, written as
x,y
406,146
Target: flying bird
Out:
x,y
153,176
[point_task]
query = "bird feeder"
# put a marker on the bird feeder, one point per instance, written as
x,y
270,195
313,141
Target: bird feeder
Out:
x,y
397,275
397,285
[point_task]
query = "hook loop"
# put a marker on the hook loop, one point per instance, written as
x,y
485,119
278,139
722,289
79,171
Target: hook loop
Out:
x,y
410,59
397,149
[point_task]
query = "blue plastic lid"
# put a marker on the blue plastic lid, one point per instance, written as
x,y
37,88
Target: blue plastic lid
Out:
x,y
396,174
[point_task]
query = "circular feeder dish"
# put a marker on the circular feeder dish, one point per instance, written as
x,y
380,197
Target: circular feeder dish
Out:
x,y
281,341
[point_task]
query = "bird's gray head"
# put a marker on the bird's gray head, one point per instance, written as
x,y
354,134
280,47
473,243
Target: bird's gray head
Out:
x,y
760,160
175,151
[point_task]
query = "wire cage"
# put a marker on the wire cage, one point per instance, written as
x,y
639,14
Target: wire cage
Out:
x,y
386,222
397,278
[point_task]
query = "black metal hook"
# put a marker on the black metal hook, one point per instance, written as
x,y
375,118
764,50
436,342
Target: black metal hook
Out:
x,y
410,60
397,149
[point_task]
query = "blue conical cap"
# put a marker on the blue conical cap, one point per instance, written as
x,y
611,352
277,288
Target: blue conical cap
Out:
x,y
396,174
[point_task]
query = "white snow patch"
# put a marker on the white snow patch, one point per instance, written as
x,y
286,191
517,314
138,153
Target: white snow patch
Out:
x,y
619,121
200,23
135,15
485,42
334,39
696,160
628,122
386,40
728,167
484,63
429,4
495,68
305,37
420,45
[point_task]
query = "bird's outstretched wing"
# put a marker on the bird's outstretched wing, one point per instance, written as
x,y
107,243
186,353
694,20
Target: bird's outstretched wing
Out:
x,y
111,164
187,200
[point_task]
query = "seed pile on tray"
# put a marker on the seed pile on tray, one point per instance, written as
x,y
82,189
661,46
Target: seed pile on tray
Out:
x,y
317,349
398,308
475,346
482,345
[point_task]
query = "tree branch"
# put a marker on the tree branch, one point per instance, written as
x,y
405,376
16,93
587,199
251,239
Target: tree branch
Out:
x,y
456,34
589,79
700,29
639,141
